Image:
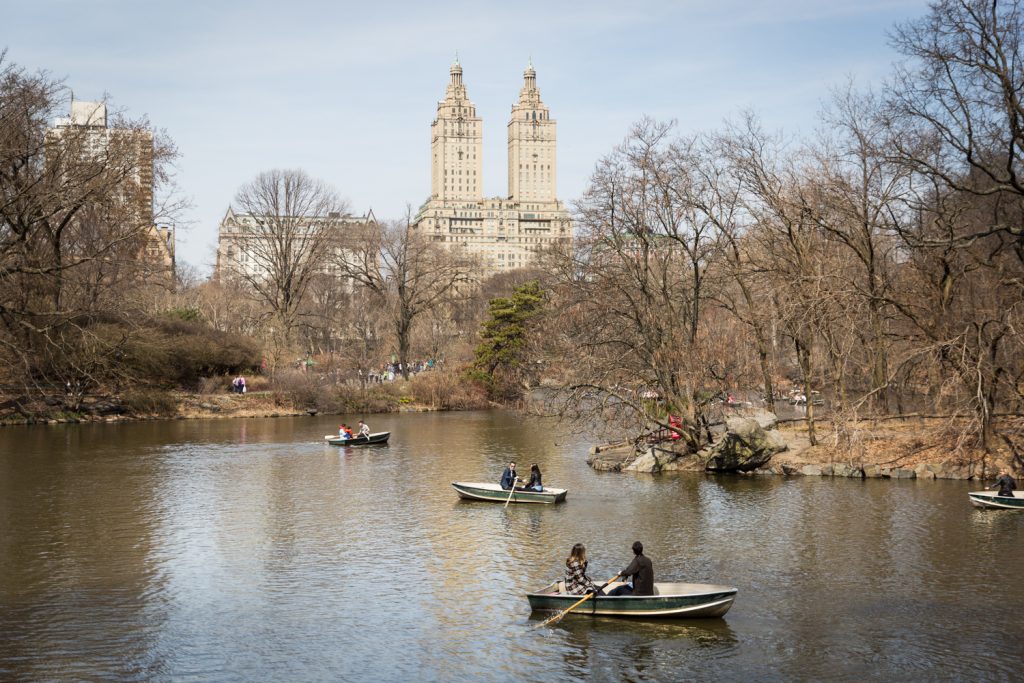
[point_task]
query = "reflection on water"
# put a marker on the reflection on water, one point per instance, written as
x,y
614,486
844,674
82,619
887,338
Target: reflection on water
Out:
x,y
251,550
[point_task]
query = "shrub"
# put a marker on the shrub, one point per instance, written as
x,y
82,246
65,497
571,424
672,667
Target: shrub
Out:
x,y
217,384
448,390
149,402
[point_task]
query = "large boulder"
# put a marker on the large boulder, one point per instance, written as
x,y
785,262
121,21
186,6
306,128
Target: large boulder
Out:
x,y
745,447
768,420
647,462
654,460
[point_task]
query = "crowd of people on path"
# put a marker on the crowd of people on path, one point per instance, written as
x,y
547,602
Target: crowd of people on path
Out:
x,y
387,372
238,385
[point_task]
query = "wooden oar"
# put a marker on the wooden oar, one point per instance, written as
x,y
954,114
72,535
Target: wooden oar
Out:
x,y
555,618
511,492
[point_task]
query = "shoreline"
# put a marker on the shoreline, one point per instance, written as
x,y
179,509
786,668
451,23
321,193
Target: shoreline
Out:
x,y
906,447
194,406
911,449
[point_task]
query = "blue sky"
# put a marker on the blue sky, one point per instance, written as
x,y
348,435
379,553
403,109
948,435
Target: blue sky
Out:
x,y
347,91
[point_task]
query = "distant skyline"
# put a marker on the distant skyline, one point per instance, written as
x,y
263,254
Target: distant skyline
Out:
x,y
348,92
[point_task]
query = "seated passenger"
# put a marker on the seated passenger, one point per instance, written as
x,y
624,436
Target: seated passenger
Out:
x,y
576,580
535,483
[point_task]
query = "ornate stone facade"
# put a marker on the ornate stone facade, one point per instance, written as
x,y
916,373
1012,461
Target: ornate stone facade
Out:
x,y
244,248
503,233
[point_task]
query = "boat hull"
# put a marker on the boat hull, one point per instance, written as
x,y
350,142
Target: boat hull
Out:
x,y
671,601
496,494
379,437
990,500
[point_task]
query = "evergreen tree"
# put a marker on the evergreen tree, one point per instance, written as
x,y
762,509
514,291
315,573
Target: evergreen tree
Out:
x,y
500,362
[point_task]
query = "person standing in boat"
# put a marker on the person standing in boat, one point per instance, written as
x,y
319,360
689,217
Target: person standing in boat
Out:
x,y
1005,483
576,580
364,429
641,569
508,477
535,483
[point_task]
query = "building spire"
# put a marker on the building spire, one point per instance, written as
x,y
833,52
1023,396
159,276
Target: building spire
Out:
x,y
529,77
456,71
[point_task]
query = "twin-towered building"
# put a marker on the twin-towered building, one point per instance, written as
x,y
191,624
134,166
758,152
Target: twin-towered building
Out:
x,y
504,233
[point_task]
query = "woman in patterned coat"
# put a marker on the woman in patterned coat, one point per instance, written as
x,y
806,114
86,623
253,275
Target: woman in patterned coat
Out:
x,y
576,580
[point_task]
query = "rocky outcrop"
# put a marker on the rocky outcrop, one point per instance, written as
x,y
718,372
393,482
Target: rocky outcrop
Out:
x,y
611,457
746,446
749,443
740,445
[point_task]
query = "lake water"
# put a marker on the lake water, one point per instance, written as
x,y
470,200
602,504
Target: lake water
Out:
x,y
248,550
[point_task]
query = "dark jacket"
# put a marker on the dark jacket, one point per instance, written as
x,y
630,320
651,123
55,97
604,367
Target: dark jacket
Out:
x,y
642,572
534,480
508,478
1006,485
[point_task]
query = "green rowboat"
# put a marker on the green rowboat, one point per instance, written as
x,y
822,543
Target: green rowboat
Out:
x,y
472,490
993,501
378,437
670,601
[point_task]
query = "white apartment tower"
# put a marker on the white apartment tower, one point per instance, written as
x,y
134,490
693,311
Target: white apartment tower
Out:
x,y
456,145
503,232
531,146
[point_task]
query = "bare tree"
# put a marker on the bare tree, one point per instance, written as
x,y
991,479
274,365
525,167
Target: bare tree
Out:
x,y
76,209
633,305
411,273
289,230
958,122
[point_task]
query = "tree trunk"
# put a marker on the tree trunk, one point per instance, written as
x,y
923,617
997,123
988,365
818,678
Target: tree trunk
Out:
x,y
803,354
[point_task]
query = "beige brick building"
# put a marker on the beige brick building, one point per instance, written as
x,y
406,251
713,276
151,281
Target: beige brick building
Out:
x,y
244,248
88,138
504,233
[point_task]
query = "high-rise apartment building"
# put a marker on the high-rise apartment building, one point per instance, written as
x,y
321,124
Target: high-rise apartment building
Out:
x,y
504,233
87,138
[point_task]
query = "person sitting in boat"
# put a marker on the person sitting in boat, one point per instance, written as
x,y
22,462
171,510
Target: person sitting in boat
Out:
x,y
576,580
535,483
508,477
344,432
364,429
641,569
1005,484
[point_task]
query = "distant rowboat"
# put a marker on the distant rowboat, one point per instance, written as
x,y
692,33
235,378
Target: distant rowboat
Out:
x,y
993,501
378,437
480,491
670,601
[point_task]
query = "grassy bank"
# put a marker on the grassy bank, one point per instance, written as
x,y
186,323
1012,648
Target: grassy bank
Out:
x,y
289,394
